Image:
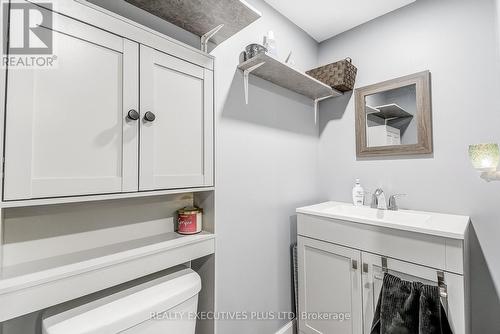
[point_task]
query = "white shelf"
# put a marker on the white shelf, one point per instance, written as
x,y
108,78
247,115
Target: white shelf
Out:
x,y
286,76
201,16
36,285
388,111
102,197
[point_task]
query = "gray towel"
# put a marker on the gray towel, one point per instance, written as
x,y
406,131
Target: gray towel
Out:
x,y
409,308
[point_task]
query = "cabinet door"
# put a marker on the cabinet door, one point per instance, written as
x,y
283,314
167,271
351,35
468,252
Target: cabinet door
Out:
x,y
329,285
177,147
66,127
372,285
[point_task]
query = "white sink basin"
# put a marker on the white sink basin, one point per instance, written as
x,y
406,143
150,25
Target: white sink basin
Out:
x,y
438,224
364,212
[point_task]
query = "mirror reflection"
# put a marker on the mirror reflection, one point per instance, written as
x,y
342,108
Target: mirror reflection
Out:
x,y
391,117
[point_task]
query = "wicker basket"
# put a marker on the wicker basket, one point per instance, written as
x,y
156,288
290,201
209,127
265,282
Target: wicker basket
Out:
x,y
340,75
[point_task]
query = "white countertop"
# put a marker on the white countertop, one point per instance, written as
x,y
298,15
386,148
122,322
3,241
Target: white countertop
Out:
x,y
437,224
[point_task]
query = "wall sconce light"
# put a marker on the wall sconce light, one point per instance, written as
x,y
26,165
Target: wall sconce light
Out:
x,y
485,158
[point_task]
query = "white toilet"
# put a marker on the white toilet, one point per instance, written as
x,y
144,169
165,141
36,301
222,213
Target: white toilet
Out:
x,y
166,305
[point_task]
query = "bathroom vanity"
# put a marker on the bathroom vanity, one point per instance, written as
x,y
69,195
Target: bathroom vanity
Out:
x,y
344,251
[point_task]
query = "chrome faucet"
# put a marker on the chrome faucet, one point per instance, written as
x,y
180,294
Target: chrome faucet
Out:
x,y
378,200
392,202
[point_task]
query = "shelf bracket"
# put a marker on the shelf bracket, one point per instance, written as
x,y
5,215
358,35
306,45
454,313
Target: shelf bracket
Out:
x,y
316,106
206,37
246,75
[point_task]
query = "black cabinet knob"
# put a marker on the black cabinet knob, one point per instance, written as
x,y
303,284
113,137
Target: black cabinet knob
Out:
x,y
133,115
149,116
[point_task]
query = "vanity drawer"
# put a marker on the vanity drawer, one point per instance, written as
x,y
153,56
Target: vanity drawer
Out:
x,y
431,251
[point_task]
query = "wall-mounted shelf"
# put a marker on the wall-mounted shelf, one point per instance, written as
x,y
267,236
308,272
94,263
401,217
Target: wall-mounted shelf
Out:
x,y
36,285
281,74
388,111
371,110
286,76
214,20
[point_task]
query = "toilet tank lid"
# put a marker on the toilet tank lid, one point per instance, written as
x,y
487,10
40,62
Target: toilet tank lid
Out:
x,y
132,307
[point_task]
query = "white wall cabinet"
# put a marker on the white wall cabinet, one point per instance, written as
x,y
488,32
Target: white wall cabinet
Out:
x,y
69,132
66,132
176,148
67,129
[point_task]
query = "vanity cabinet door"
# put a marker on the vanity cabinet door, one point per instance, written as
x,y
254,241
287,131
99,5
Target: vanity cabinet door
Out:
x,y
372,285
177,145
66,127
329,286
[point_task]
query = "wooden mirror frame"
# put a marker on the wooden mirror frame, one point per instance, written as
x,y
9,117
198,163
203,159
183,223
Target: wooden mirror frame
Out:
x,y
423,115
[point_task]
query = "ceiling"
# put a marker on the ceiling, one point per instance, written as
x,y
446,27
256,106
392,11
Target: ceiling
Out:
x,y
323,19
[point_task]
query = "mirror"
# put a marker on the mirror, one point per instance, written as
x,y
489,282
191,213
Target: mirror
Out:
x,y
394,117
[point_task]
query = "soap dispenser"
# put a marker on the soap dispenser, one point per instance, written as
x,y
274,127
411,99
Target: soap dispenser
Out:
x,y
358,194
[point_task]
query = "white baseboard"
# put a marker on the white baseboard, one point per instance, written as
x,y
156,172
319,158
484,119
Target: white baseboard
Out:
x,y
289,328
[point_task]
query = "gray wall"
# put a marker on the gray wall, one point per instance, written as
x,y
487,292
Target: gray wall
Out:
x,y
457,41
266,167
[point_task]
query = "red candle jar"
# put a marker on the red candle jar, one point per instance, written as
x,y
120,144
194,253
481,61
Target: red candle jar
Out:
x,y
189,220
